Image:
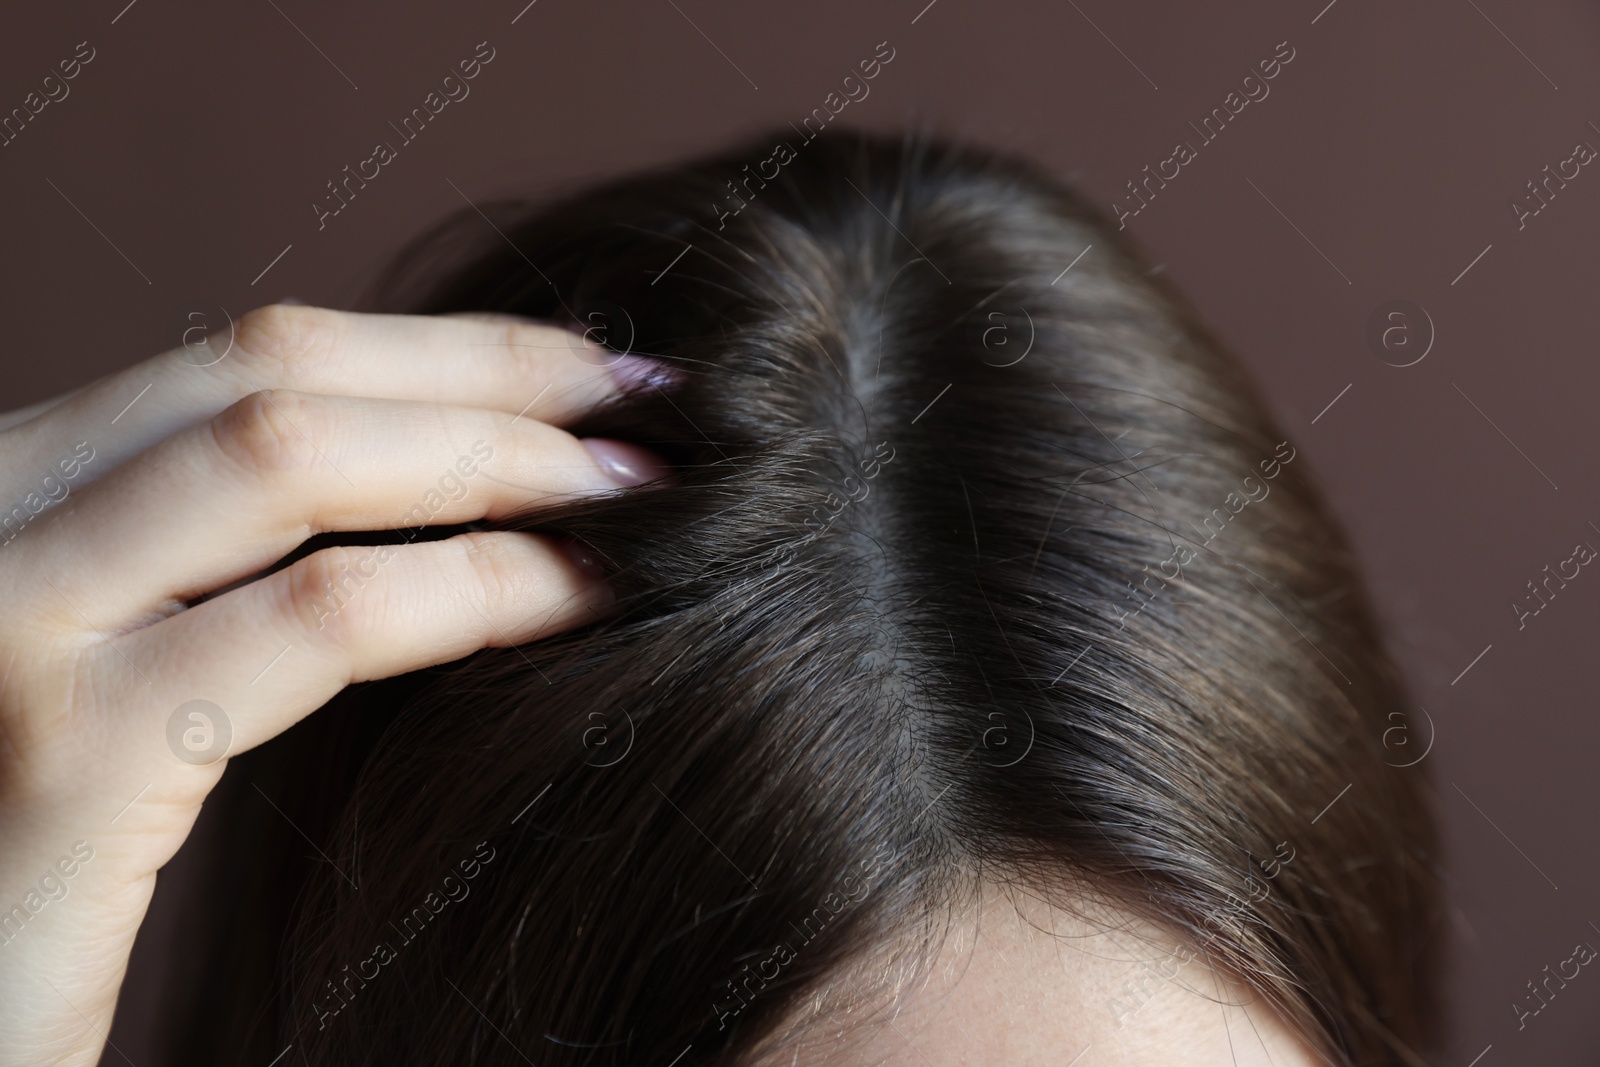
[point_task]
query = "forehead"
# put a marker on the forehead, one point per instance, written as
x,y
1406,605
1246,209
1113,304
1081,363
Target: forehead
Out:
x,y
1021,982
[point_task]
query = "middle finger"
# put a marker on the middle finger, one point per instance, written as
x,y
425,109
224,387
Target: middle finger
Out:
x,y
224,500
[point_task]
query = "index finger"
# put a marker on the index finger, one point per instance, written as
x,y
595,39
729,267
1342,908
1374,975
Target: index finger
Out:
x,y
499,362
538,370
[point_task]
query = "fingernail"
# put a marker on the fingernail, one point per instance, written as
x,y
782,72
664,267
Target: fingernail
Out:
x,y
632,372
583,557
599,597
624,463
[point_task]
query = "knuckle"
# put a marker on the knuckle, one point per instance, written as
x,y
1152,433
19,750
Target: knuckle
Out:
x,y
330,593
529,354
272,432
287,343
514,337
498,570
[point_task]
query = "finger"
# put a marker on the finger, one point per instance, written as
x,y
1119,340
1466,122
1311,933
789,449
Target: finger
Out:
x,y
541,371
224,500
271,652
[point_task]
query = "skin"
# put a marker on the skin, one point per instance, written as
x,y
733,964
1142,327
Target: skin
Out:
x,y
1022,982
311,421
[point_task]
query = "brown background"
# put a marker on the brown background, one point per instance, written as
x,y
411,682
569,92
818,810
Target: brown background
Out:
x,y
201,133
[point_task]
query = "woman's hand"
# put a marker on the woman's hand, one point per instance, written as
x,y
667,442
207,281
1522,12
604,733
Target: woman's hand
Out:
x,y
189,473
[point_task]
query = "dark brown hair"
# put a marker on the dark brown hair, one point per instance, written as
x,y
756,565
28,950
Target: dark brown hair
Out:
x,y
982,561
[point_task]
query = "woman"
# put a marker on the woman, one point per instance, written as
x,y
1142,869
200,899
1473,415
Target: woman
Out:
x,y
902,637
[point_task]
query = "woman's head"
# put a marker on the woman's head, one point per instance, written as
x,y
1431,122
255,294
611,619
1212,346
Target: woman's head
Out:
x,y
983,574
